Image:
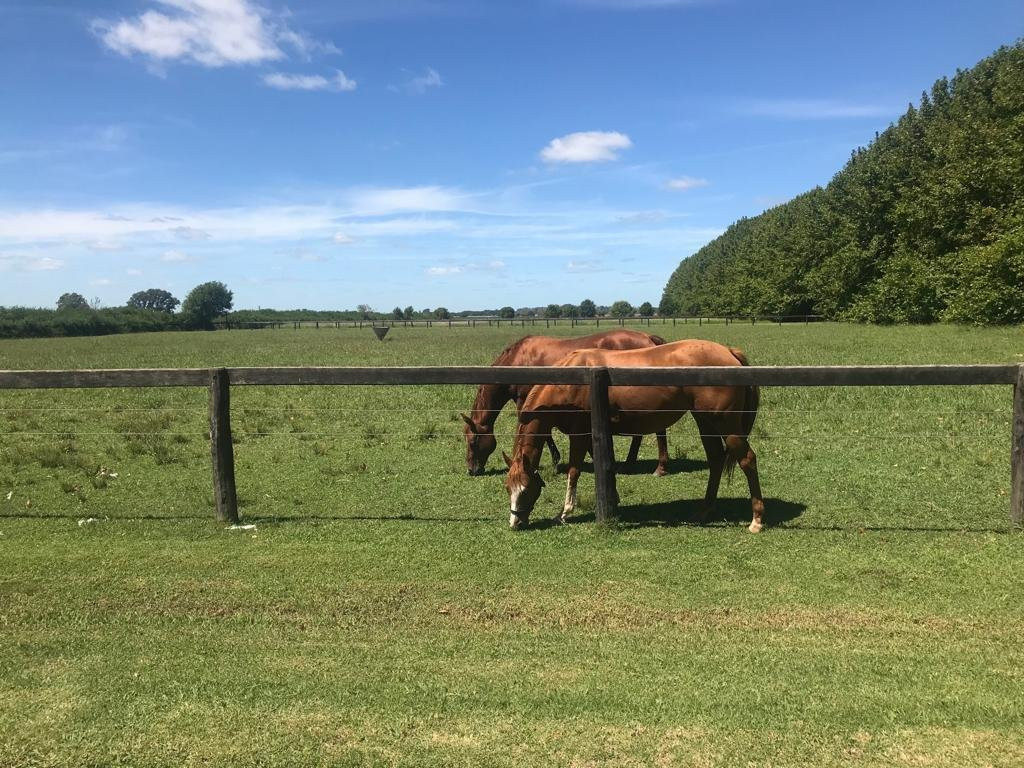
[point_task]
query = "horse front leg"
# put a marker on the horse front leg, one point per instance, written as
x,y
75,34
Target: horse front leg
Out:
x,y
740,450
577,453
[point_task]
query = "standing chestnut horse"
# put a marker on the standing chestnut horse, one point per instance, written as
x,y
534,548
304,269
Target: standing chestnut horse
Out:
x,y
542,350
724,416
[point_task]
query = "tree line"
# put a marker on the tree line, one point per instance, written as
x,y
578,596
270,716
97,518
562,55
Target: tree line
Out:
x,y
154,309
925,224
149,310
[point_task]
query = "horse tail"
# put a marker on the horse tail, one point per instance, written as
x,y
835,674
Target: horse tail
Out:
x,y
658,341
751,403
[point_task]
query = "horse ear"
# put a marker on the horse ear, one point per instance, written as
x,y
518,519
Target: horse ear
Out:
x,y
469,422
508,461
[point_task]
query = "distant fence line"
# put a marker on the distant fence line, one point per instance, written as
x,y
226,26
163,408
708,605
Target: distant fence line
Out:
x,y
220,380
523,322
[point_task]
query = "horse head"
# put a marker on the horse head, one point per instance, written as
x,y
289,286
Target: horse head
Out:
x,y
480,444
523,483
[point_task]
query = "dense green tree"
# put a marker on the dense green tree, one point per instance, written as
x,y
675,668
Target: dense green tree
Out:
x,y
621,309
397,314
553,311
408,312
645,309
587,308
506,312
205,303
570,310
442,313
925,224
155,299
72,301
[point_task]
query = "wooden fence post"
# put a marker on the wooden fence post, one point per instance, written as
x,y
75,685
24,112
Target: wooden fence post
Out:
x,y
221,451
1017,454
602,447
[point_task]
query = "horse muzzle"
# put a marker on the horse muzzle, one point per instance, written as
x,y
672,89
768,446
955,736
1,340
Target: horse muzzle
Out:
x,y
518,521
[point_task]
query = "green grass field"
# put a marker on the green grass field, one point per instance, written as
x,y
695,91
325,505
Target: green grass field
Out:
x,y
382,614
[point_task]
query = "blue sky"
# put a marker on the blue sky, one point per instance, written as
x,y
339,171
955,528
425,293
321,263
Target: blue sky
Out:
x,y
461,153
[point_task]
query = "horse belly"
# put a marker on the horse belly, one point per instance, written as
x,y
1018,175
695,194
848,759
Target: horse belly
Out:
x,y
645,410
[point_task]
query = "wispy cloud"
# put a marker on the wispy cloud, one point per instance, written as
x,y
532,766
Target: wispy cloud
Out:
x,y
683,183
175,256
340,238
813,109
585,266
338,83
586,147
637,5
421,83
398,199
441,271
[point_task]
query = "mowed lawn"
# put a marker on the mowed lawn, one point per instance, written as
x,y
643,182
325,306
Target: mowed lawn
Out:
x,y
381,613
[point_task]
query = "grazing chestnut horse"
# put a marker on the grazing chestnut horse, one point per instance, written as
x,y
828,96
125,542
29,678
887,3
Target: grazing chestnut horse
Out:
x,y
542,350
724,416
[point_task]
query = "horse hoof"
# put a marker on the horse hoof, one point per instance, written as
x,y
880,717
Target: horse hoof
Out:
x,y
755,527
659,472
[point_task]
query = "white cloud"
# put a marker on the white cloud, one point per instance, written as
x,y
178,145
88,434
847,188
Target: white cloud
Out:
x,y
586,147
438,271
213,33
101,281
175,256
684,183
284,82
813,109
133,272
340,238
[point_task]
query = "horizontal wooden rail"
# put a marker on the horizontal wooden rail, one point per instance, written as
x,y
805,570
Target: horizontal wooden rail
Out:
x,y
782,376
219,381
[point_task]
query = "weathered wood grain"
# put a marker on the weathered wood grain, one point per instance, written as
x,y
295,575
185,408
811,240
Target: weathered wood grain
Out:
x,y
222,452
602,448
1017,453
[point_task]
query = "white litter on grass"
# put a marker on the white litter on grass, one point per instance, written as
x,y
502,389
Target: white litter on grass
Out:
x,y
9,495
88,521
249,527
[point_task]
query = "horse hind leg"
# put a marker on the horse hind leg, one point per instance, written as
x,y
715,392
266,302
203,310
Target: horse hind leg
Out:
x,y
634,450
662,469
741,452
714,449
556,457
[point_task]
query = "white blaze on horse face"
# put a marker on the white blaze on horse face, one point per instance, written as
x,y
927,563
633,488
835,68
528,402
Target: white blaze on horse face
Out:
x,y
514,495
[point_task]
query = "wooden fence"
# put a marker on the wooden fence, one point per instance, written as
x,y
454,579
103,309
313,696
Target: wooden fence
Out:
x,y
520,322
220,380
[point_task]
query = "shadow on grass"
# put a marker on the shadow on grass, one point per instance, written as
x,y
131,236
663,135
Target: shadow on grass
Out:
x,y
671,514
367,519
641,467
